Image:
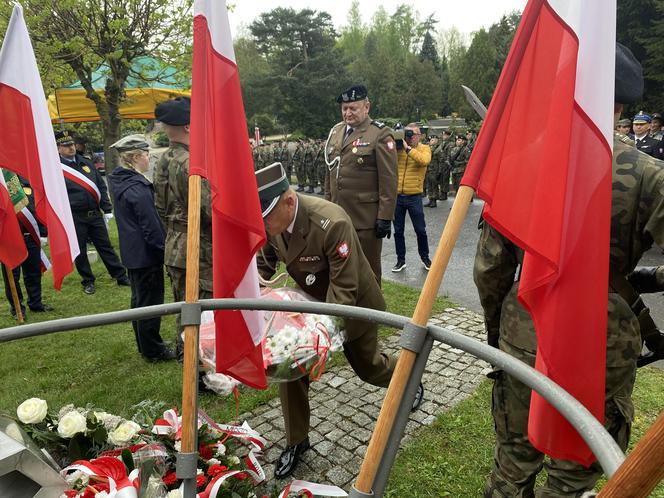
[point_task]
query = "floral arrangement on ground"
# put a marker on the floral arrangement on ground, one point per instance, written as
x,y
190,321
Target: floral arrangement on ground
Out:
x,y
101,455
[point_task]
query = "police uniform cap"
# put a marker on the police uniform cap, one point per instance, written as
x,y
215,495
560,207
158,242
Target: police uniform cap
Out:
x,y
624,122
353,94
64,138
131,142
642,118
271,182
174,112
629,76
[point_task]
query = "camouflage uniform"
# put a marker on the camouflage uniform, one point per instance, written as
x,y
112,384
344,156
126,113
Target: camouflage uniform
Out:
x,y
171,186
298,164
281,156
310,152
459,156
256,157
637,219
321,167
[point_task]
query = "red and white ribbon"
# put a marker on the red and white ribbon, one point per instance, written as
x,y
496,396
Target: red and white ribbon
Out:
x,y
121,485
310,489
30,224
82,181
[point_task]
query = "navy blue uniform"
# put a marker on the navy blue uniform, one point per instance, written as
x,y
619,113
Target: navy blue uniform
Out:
x,y
89,223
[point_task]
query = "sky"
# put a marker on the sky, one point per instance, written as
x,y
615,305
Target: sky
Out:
x,y
466,15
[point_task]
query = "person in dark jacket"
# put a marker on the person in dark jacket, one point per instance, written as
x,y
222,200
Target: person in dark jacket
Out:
x,y
141,240
88,199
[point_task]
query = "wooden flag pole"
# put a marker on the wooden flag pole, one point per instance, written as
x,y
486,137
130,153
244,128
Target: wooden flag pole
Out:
x,y
407,358
190,366
643,468
12,286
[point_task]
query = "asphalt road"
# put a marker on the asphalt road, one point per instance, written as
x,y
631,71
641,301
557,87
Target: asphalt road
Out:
x,y
458,283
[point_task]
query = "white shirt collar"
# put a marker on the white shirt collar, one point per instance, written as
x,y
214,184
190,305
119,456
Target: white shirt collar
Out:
x,y
292,223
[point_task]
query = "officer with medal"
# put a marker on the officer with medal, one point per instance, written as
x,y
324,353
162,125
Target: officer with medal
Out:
x,y
316,240
361,156
88,199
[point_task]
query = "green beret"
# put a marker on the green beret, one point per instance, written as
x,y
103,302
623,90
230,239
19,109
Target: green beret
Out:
x,y
271,182
131,142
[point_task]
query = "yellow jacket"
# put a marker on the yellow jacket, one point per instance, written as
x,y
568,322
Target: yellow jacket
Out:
x,y
412,167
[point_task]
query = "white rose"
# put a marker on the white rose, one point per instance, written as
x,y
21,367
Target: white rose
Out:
x,y
233,460
123,433
213,461
32,411
176,493
72,423
220,449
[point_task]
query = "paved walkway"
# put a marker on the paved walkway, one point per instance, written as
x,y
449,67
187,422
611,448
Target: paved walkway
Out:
x,y
344,408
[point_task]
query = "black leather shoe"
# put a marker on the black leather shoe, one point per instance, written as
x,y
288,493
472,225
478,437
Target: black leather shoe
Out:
x,y
289,458
310,190
89,289
165,355
419,396
124,281
15,316
300,188
443,197
42,308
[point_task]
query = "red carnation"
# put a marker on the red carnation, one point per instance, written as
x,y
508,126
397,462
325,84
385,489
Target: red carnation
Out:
x,y
216,469
241,476
71,493
170,478
201,480
205,452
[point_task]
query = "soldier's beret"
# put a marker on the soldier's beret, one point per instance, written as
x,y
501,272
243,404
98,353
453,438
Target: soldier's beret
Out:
x,y
131,142
353,94
174,112
462,137
642,118
624,122
629,76
64,138
271,182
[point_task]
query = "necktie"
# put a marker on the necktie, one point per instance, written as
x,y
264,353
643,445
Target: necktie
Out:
x,y
286,235
348,132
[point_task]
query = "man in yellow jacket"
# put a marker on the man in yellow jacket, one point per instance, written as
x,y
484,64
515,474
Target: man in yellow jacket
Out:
x,y
413,159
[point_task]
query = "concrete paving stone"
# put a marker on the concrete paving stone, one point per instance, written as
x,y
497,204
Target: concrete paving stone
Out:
x,y
346,410
325,426
347,442
336,381
361,419
361,450
339,476
361,435
325,447
335,435
339,454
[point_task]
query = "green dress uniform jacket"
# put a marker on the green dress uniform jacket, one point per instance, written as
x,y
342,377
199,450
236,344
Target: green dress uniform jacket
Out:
x,y
364,183
324,257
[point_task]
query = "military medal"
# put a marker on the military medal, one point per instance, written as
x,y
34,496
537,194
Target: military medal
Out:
x,y
360,160
27,190
311,278
354,150
86,169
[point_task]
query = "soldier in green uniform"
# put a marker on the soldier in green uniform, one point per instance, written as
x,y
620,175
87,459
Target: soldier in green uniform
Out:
x,y
459,156
637,219
321,167
171,187
256,157
317,242
298,165
310,152
362,173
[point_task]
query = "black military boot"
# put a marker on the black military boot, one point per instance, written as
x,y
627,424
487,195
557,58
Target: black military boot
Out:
x,y
432,203
300,188
443,196
310,190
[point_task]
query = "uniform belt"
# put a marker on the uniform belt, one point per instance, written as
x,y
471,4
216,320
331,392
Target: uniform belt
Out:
x,y
87,214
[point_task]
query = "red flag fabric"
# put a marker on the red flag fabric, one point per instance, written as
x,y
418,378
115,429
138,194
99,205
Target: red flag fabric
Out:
x,y
27,144
12,248
220,152
257,136
542,163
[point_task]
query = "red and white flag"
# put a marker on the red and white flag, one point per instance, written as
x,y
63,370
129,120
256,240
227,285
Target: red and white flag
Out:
x,y
542,163
12,248
218,153
257,136
27,144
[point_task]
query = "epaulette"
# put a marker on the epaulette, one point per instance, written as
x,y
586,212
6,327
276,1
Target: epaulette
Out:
x,y
378,124
321,222
624,138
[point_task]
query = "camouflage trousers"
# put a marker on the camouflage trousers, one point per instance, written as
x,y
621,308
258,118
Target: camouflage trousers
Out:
x,y
432,182
311,175
457,175
300,172
517,462
178,278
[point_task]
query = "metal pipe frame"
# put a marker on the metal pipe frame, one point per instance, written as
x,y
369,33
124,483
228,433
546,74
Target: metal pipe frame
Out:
x,y
608,454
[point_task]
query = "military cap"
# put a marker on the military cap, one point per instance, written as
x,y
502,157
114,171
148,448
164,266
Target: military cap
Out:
x,y
131,142
64,138
80,139
656,115
624,122
462,137
271,182
174,112
629,76
642,118
353,94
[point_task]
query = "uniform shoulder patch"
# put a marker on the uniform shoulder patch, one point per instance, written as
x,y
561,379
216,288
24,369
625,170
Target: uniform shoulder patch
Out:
x,y
378,124
343,250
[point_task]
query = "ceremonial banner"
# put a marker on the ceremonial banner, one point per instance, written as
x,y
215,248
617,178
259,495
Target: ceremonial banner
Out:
x,y
542,163
222,154
12,248
27,144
